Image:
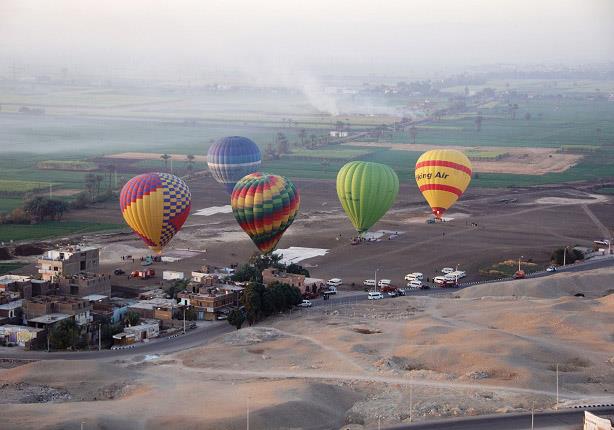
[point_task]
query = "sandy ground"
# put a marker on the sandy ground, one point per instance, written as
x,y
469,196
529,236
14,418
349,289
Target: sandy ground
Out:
x,y
531,222
150,156
529,161
325,368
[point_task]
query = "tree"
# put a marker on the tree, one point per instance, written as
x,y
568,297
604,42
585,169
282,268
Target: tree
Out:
x,y
301,135
236,318
190,160
566,255
282,144
99,179
513,110
478,122
312,140
90,185
110,168
37,208
64,334
297,269
413,132
131,318
252,300
165,158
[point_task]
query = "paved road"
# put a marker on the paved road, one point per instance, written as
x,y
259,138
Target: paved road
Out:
x,y
565,419
205,334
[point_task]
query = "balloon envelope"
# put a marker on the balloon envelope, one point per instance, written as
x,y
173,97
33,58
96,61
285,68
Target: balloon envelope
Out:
x,y
442,176
231,158
366,191
265,206
155,206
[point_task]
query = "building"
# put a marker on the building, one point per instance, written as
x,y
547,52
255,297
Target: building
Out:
x,y
156,308
17,284
110,310
170,275
269,276
10,313
207,279
147,329
68,261
594,422
84,284
74,307
18,335
43,288
47,321
338,133
213,303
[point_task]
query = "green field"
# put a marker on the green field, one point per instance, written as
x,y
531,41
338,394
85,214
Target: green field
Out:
x,y
18,187
484,155
51,229
7,204
328,153
9,267
77,165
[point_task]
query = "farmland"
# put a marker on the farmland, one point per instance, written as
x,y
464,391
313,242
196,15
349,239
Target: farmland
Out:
x,y
52,229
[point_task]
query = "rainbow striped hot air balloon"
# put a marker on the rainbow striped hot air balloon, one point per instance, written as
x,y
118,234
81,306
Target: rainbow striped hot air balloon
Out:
x,y
155,206
231,158
442,175
265,206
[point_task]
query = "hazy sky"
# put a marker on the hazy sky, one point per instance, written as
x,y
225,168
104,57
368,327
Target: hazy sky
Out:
x,y
323,35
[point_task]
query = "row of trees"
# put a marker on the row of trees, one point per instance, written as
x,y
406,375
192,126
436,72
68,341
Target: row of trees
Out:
x,y
189,160
252,270
36,209
260,301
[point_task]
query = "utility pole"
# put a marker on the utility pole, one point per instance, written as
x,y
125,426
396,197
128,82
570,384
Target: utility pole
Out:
x,y
557,387
99,337
533,416
184,319
564,256
82,425
48,339
411,400
247,414
521,257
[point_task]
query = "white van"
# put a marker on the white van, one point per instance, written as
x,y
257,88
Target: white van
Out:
x,y
375,295
440,280
369,283
447,270
335,282
384,283
458,274
415,284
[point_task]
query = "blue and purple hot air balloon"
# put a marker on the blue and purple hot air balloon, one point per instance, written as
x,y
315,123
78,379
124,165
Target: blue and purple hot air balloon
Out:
x,y
231,158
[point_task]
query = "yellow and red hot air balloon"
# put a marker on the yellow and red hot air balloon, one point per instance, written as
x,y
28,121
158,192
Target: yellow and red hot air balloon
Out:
x,y
155,206
442,176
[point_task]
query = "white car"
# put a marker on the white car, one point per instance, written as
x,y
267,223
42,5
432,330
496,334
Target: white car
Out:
x,y
335,282
551,269
440,280
305,304
416,276
447,270
450,277
369,283
415,284
375,295
384,283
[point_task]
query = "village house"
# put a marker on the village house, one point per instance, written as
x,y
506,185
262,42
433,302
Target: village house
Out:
x,y
68,261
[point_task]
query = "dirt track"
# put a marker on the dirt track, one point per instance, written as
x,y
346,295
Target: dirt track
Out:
x,y
522,161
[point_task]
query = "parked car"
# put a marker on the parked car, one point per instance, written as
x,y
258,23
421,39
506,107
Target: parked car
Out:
x,y
439,280
447,270
335,282
305,304
331,290
119,272
369,283
424,287
551,269
519,274
375,295
222,317
392,293
384,283
415,276
400,292
415,284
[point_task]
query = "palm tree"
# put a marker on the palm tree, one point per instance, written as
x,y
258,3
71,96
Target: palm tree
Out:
x,y
413,132
110,168
165,158
478,122
313,139
90,184
190,159
302,134
99,179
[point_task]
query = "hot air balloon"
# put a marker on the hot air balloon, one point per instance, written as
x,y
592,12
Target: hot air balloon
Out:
x,y
442,175
265,206
231,158
366,191
155,206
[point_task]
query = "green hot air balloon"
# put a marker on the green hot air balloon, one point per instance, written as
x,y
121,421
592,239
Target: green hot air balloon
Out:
x,y
366,192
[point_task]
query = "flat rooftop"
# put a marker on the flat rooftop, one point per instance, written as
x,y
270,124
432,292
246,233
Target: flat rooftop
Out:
x,y
13,278
49,318
12,305
95,297
13,328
